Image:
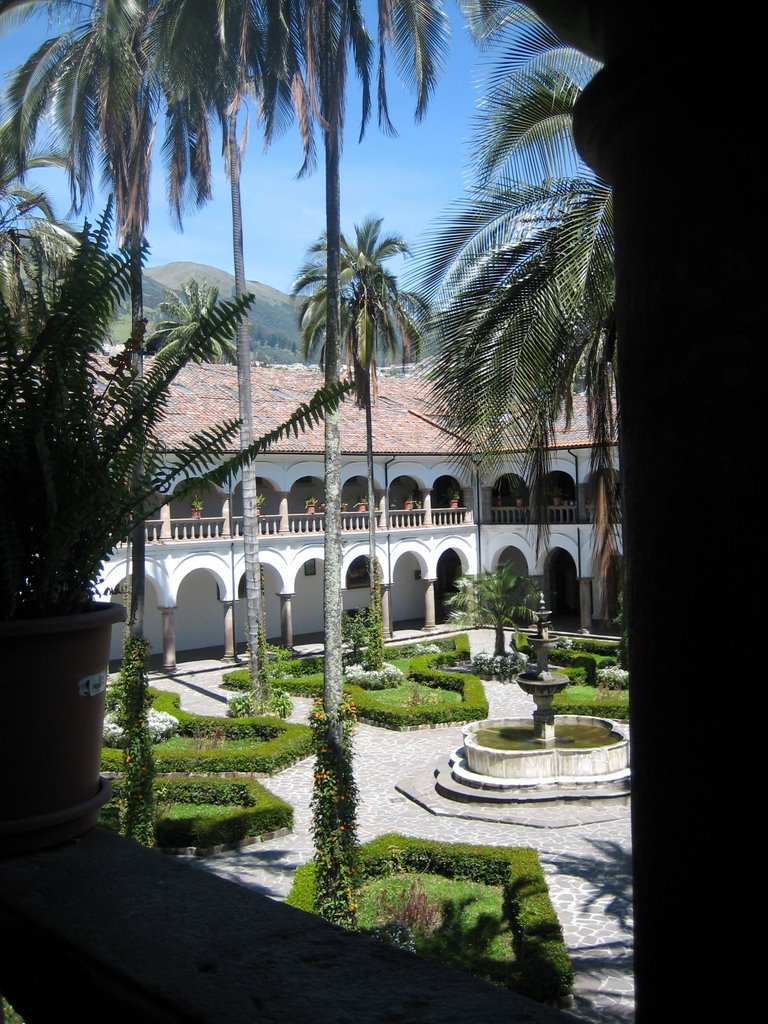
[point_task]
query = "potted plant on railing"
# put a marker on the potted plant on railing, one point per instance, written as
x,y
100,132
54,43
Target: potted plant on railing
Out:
x,y
361,502
196,506
309,506
259,503
518,490
79,441
453,499
556,494
411,502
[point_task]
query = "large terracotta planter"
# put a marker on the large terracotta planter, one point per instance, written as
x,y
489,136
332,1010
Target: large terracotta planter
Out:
x,y
52,682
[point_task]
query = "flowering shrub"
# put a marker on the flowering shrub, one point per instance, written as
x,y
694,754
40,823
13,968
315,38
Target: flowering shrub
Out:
x,y
243,705
394,933
418,649
612,679
564,643
334,807
384,679
503,666
160,725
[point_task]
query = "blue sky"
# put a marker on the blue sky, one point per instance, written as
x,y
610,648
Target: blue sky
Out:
x,y
407,180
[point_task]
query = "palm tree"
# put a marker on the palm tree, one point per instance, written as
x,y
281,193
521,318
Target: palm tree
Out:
x,y
216,55
181,317
500,598
522,273
332,30
32,241
377,320
96,84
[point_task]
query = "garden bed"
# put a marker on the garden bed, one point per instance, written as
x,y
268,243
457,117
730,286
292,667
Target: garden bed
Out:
x,y
433,697
537,965
202,815
212,745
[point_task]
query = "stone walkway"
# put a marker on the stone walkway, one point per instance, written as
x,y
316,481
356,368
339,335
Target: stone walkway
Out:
x,y
587,864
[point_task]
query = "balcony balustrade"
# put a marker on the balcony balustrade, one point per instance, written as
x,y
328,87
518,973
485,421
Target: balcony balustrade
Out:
x,y
216,527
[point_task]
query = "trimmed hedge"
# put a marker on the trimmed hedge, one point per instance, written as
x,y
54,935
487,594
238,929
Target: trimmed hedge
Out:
x,y
610,648
615,706
247,810
542,968
275,744
473,704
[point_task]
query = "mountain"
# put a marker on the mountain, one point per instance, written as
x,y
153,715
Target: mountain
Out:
x,y
275,331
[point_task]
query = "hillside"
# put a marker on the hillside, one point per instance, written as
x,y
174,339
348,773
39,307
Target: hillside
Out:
x,y
274,334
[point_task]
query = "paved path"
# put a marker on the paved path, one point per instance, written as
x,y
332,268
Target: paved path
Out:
x,y
587,865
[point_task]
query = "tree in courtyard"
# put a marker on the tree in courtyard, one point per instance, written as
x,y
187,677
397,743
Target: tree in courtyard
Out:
x,y
377,320
31,239
521,272
218,55
500,599
331,31
181,316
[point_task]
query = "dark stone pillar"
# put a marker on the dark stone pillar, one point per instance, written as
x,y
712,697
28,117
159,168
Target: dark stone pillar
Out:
x,y
672,122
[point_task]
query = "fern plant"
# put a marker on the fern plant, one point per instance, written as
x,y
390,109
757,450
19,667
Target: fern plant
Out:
x,y
74,425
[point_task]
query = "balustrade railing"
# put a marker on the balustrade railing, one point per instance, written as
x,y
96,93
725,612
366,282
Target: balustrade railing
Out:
x,y
213,527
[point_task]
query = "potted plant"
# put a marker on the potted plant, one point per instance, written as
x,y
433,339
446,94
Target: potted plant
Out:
x,y
79,442
259,503
411,502
309,505
196,506
453,499
556,494
361,502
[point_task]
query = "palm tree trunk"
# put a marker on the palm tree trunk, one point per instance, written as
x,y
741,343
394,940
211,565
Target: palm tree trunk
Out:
x,y
375,636
332,602
254,629
138,535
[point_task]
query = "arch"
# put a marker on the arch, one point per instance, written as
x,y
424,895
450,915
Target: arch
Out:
x,y
447,491
307,601
452,469
405,488
199,615
512,555
360,468
408,589
294,473
559,487
420,553
449,568
416,470
493,546
216,565
561,586
463,548
510,489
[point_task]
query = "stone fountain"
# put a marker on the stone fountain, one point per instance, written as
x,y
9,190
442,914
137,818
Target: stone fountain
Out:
x,y
547,757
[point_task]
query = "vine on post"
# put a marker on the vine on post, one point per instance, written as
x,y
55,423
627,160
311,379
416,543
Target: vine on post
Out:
x,y
334,806
137,806
375,653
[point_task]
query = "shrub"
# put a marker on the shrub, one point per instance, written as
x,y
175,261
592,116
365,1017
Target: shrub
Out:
x,y
247,810
160,726
274,744
542,968
612,679
412,908
503,666
385,678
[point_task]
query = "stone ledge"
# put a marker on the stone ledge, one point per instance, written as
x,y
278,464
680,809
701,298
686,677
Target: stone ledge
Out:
x,y
121,933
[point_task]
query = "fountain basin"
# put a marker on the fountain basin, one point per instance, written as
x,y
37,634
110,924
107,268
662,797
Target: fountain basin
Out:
x,y
489,756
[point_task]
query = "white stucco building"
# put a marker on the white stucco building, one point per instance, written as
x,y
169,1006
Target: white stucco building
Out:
x,y
462,521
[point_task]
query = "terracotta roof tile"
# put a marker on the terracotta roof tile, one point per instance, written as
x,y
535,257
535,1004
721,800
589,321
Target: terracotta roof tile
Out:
x,y
205,396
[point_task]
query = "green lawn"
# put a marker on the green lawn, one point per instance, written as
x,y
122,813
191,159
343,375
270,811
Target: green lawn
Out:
x,y
402,696
454,921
